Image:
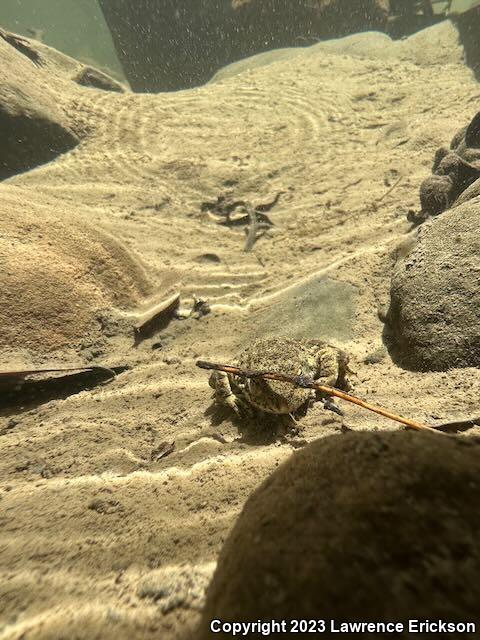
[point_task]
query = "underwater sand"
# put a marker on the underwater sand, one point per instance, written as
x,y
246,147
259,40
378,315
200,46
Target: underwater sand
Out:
x,y
99,538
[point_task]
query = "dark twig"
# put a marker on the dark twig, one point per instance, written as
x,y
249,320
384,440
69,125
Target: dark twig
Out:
x,y
389,191
308,383
261,208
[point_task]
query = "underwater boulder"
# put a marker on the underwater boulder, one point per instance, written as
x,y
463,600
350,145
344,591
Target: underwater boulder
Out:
x,y
361,526
183,46
60,276
433,323
465,14
331,18
33,128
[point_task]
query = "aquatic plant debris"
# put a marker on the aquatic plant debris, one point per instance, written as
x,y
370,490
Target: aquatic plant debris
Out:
x,y
156,318
256,219
13,376
308,383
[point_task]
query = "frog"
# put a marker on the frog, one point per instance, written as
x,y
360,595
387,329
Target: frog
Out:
x,y
313,359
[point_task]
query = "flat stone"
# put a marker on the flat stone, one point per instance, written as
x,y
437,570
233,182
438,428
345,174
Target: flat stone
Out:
x,y
319,308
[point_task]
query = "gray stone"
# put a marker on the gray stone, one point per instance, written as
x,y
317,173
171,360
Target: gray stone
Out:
x,y
433,322
319,308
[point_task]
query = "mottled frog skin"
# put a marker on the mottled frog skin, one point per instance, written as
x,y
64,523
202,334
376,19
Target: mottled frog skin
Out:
x,y
311,358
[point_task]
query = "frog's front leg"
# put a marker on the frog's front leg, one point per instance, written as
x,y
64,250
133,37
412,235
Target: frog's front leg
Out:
x,y
327,367
228,394
327,373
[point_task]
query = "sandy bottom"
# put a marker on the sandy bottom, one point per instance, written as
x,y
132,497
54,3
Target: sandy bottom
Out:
x,y
101,536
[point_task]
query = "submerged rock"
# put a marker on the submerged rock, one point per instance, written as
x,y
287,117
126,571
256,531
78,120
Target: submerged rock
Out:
x,y
363,526
433,322
343,17
33,128
200,38
59,277
455,173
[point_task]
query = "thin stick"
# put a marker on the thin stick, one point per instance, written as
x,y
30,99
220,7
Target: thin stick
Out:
x,y
389,190
308,383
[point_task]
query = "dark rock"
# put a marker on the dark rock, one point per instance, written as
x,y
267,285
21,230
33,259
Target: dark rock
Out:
x,y
409,16
454,171
461,172
433,322
343,17
472,133
22,45
467,23
436,194
181,45
362,526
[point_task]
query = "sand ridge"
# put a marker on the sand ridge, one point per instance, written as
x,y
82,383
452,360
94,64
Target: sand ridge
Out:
x,y
87,511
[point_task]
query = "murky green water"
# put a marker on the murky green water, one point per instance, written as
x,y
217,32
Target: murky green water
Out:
x,y
75,27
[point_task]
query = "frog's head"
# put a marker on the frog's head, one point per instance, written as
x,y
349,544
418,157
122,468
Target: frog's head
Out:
x,y
276,396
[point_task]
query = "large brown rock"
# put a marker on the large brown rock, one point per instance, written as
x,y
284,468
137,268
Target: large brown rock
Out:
x,y
433,322
364,526
33,127
59,277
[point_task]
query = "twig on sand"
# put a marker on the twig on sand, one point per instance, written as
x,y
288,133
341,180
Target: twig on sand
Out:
x,y
308,383
389,191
